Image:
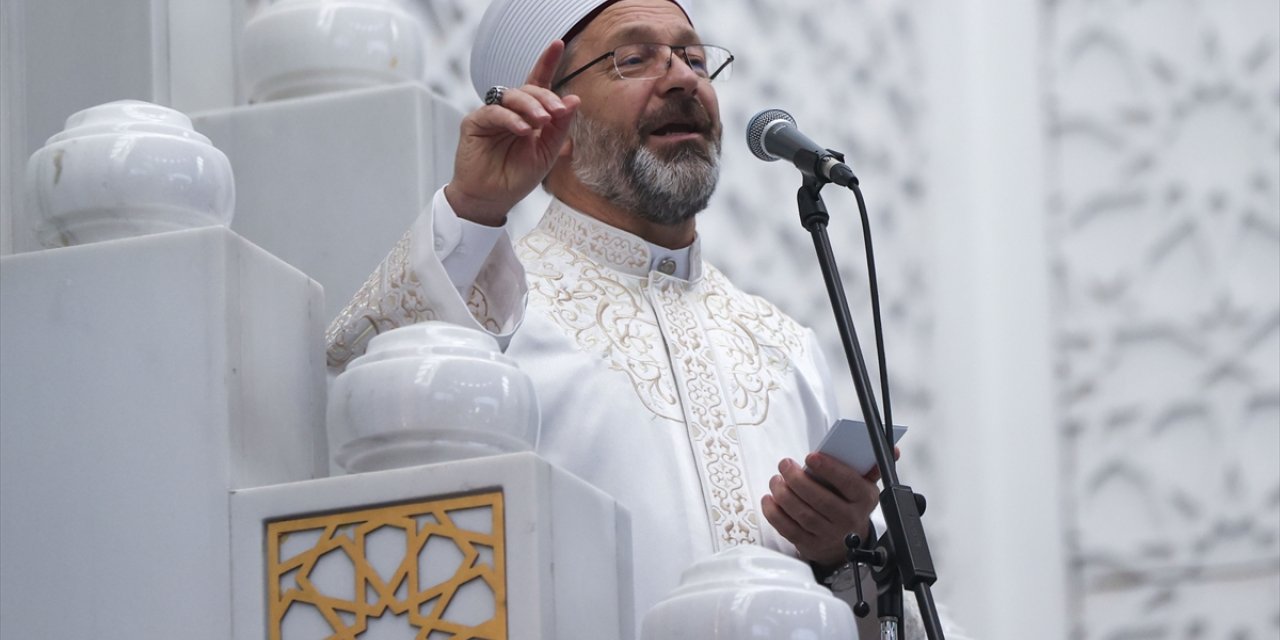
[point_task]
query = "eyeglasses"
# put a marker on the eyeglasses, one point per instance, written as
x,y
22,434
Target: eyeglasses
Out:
x,y
652,60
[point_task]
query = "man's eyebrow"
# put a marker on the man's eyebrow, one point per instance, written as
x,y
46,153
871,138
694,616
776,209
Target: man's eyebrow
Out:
x,y
644,32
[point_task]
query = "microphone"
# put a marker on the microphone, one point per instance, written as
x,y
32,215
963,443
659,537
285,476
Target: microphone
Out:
x,y
772,135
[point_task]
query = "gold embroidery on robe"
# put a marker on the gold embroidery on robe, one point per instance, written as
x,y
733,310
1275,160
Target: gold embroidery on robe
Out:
x,y
391,297
702,353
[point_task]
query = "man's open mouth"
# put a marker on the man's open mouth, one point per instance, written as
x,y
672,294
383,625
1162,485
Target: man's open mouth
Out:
x,y
677,129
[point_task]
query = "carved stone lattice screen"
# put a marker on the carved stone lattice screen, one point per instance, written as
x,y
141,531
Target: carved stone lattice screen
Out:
x,y
434,570
1165,232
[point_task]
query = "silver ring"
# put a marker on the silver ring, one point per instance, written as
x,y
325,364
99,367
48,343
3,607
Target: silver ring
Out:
x,y
494,95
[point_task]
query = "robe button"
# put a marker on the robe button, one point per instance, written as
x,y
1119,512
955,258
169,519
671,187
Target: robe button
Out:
x,y
667,266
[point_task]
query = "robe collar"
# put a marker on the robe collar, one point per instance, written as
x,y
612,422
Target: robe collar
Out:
x,y
619,249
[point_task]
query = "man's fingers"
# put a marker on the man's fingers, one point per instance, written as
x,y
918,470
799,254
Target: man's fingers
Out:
x,y
550,102
560,121
544,70
847,482
790,529
822,499
809,519
535,106
528,106
494,118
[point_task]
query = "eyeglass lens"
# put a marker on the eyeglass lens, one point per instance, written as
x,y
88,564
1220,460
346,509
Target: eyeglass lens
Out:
x,y
652,60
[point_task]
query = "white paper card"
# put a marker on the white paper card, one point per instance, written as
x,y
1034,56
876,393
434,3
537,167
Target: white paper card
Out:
x,y
849,442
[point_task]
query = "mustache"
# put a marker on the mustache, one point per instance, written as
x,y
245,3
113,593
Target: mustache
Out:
x,y
685,109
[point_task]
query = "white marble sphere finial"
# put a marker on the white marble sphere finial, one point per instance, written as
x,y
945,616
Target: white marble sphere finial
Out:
x,y
430,392
295,48
749,593
125,169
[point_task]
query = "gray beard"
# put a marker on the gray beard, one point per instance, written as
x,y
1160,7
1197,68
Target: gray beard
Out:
x,y
665,191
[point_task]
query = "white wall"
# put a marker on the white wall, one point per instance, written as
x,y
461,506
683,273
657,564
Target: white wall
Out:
x,y
992,369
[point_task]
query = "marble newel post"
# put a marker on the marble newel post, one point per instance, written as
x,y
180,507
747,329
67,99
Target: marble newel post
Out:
x,y
144,376
447,525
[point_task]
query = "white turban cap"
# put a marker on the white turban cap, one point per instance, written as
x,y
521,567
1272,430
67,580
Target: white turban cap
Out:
x,y
513,33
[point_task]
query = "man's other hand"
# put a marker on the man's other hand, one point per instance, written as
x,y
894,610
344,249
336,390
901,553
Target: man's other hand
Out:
x,y
816,510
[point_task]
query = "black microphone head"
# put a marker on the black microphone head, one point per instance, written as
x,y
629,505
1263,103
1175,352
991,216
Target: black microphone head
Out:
x,y
760,125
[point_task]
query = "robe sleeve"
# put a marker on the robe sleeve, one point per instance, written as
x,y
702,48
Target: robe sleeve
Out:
x,y
439,270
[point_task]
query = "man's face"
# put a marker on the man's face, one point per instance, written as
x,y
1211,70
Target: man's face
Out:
x,y
652,145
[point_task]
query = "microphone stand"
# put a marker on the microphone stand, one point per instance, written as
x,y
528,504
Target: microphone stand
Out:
x,y
901,558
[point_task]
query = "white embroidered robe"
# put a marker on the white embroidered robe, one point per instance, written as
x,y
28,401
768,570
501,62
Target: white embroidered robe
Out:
x,y
676,397
679,398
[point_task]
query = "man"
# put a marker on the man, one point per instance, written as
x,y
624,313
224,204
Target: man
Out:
x,y
690,402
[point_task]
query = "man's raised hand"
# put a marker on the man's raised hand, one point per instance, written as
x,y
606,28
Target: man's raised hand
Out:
x,y
505,150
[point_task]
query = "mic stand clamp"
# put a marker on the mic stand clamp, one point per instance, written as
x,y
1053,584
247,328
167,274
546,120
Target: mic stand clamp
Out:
x,y
879,560
903,551
872,557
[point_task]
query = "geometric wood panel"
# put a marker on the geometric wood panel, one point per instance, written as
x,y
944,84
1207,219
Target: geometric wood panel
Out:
x,y
432,570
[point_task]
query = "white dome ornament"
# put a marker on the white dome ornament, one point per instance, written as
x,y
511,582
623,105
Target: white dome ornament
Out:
x,y
295,48
125,169
426,393
749,593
